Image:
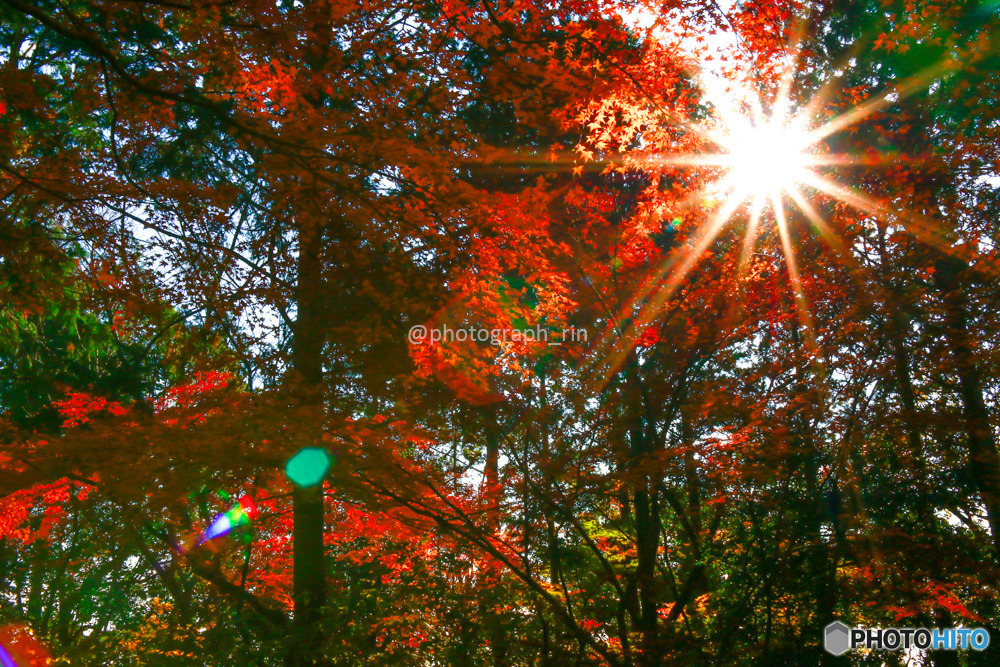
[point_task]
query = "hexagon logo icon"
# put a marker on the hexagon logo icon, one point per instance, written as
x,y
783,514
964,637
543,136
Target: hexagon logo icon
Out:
x,y
837,638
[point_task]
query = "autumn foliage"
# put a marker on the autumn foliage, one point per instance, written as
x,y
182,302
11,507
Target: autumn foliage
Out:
x,y
233,230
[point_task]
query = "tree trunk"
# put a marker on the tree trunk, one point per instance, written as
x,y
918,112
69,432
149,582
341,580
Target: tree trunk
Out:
x,y
648,525
492,467
983,464
897,325
492,497
822,564
308,569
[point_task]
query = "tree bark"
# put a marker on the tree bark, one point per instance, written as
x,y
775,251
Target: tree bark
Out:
x,y
648,525
308,568
983,463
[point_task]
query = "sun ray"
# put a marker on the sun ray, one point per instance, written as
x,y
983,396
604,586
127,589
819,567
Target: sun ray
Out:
x,y
722,216
801,299
693,160
860,274
750,240
763,155
871,159
731,315
653,295
833,241
782,98
828,235
822,96
925,230
884,99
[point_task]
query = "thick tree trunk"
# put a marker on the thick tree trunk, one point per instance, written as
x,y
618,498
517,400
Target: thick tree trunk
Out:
x,y
308,569
645,501
984,464
647,531
492,497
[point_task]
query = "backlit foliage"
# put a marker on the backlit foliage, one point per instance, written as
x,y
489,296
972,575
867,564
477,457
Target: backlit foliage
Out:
x,y
221,220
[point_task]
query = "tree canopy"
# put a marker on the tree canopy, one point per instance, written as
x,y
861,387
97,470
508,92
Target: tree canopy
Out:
x,y
500,332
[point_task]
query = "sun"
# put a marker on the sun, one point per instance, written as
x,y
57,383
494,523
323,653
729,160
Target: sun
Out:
x,y
766,159
768,148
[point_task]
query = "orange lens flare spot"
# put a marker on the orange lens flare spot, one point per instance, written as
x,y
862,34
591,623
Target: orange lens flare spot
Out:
x,y
18,648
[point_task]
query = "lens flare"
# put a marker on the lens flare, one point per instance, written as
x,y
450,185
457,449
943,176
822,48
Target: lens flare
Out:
x,y
18,648
239,515
308,467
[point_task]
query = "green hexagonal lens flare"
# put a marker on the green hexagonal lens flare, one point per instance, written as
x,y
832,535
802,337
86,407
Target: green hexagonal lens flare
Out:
x,y
308,467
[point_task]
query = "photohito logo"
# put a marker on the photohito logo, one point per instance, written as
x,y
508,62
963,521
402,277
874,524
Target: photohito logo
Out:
x,y
839,638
